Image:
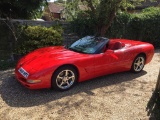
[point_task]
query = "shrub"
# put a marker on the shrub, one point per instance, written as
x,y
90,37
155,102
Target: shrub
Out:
x,y
33,37
83,25
144,26
118,28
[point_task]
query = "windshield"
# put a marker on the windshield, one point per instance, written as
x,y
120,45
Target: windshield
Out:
x,y
89,44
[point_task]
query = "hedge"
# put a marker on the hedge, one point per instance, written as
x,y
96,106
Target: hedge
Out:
x,y
144,26
33,37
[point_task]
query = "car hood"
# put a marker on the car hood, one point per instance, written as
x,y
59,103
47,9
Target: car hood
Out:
x,y
48,56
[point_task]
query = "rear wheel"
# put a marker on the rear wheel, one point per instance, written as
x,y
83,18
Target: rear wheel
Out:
x,y
64,78
138,64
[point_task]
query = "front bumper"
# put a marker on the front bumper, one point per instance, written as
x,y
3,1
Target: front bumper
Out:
x,y
24,82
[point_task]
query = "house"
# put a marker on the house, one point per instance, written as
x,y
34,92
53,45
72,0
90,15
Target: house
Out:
x,y
53,11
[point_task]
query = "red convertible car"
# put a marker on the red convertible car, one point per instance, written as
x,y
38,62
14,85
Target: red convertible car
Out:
x,y
60,68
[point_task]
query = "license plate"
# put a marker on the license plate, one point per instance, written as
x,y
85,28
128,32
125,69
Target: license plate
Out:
x,y
23,72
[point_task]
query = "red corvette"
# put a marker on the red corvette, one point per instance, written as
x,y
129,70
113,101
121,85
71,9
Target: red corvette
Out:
x,y
87,58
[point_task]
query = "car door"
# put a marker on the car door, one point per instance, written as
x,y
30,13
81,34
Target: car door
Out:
x,y
109,62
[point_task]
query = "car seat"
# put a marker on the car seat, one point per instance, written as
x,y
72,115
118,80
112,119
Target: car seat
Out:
x,y
117,45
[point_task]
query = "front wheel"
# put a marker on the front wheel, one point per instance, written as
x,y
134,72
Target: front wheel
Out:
x,y
64,78
138,64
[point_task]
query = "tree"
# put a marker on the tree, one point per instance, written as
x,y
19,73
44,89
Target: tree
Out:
x,y
60,1
72,9
104,12
158,83
21,9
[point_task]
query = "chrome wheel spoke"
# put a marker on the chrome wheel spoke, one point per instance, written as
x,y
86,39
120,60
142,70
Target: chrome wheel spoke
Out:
x,y
138,64
68,83
141,66
65,79
142,62
66,73
60,77
71,77
136,67
62,83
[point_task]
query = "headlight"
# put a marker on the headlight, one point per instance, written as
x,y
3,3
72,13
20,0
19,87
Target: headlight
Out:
x,y
33,81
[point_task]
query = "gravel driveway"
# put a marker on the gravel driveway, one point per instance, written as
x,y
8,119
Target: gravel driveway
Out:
x,y
122,96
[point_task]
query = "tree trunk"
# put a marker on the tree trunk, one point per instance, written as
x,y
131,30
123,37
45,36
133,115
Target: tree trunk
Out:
x,y
102,29
158,83
12,36
106,27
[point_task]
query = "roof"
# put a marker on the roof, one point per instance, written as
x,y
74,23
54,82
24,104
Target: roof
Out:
x,y
55,8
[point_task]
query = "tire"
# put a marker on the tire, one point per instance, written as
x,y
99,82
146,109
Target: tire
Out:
x,y
138,63
64,78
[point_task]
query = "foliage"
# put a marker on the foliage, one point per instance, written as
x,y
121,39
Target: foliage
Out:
x,y
59,1
33,37
104,12
99,12
21,9
83,25
72,8
143,26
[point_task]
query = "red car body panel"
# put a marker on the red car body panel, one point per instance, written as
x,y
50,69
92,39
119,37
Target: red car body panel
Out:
x,y
42,63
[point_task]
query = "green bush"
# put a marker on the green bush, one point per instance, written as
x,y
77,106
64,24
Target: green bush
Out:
x,y
33,37
83,25
144,26
118,28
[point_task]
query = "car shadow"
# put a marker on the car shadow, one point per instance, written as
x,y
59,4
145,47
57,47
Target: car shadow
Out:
x,y
153,106
16,95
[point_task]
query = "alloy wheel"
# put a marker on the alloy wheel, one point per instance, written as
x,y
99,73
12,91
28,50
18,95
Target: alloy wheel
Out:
x,y
65,79
139,64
